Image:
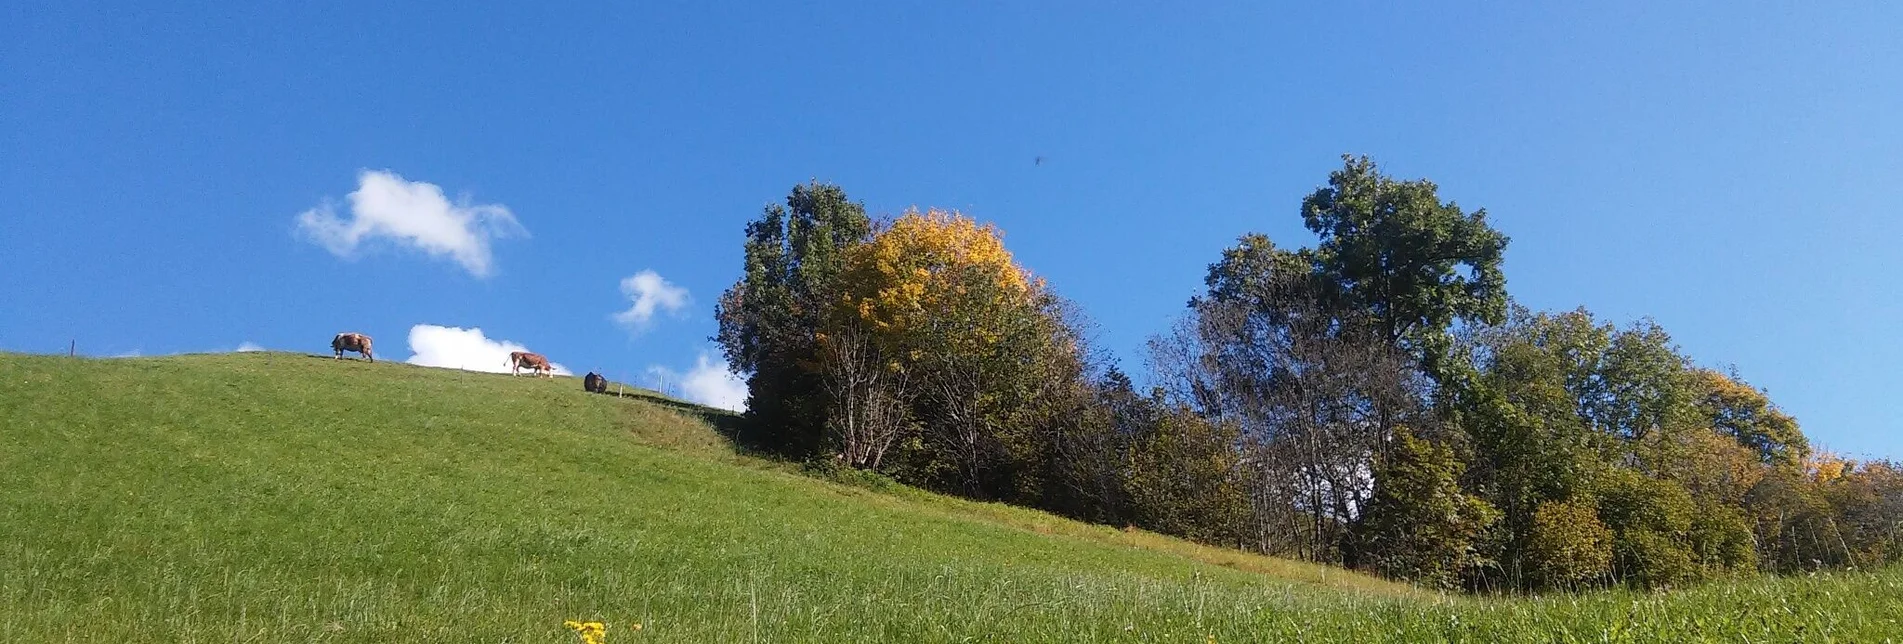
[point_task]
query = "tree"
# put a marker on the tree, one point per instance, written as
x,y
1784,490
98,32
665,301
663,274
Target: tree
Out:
x,y
947,305
868,397
1312,391
1641,384
1866,501
1744,413
1519,409
770,318
1090,445
1394,250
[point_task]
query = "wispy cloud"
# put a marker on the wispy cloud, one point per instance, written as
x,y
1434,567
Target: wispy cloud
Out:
x,y
414,214
468,349
248,347
648,293
710,383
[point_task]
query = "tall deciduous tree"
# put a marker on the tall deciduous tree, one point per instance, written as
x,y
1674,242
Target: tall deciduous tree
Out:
x,y
868,398
1394,250
1521,414
1744,413
947,305
770,318
1312,390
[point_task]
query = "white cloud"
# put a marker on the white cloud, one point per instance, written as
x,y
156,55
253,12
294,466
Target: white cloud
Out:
x,y
467,349
247,347
709,383
412,213
129,354
650,294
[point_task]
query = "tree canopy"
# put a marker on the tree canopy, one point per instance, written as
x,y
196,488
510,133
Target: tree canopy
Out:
x,y
1376,400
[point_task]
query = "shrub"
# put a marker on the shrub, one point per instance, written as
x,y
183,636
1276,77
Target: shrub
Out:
x,y
1721,539
1651,520
1568,545
832,470
1420,525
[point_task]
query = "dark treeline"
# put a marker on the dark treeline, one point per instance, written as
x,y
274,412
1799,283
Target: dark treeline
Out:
x,y
1376,401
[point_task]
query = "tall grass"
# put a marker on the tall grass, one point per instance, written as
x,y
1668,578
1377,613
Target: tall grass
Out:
x,y
278,497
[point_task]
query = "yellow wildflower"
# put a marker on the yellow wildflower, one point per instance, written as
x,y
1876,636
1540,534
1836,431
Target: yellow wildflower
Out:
x,y
590,632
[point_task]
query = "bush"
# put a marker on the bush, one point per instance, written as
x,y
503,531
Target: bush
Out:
x,y
831,469
1420,525
1721,539
1651,520
1568,545
1655,560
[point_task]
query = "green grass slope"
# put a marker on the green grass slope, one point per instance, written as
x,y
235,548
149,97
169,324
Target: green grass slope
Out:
x,y
277,497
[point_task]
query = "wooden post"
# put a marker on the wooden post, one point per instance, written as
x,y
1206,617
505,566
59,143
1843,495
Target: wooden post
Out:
x,y
72,349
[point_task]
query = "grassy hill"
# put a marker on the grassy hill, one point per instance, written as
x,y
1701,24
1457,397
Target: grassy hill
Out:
x,y
276,497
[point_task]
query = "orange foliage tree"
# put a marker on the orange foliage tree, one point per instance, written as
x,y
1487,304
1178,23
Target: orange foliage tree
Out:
x,y
949,311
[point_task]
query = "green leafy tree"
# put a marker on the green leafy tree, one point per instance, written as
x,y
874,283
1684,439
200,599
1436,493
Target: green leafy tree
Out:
x,y
1416,264
1721,539
1731,407
1528,445
1642,385
769,320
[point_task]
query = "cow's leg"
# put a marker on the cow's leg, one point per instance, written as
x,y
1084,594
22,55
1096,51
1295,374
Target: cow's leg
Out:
x,y
367,355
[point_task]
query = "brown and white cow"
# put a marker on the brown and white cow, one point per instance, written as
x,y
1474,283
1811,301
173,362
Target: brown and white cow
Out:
x,y
518,360
357,342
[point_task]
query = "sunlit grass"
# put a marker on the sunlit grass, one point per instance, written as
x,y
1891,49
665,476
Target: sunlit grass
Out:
x,y
278,497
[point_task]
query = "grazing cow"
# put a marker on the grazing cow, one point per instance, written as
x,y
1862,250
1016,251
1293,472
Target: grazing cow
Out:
x,y
533,361
594,383
357,342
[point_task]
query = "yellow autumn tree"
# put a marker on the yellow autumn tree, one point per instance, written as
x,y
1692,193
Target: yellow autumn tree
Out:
x,y
944,304
1828,467
925,268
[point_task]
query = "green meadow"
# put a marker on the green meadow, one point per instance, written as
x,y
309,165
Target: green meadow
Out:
x,y
272,497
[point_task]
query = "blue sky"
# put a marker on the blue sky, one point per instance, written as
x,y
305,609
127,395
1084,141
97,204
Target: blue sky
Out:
x,y
1733,172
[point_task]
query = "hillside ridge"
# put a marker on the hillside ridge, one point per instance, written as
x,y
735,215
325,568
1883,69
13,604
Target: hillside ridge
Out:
x,y
281,496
